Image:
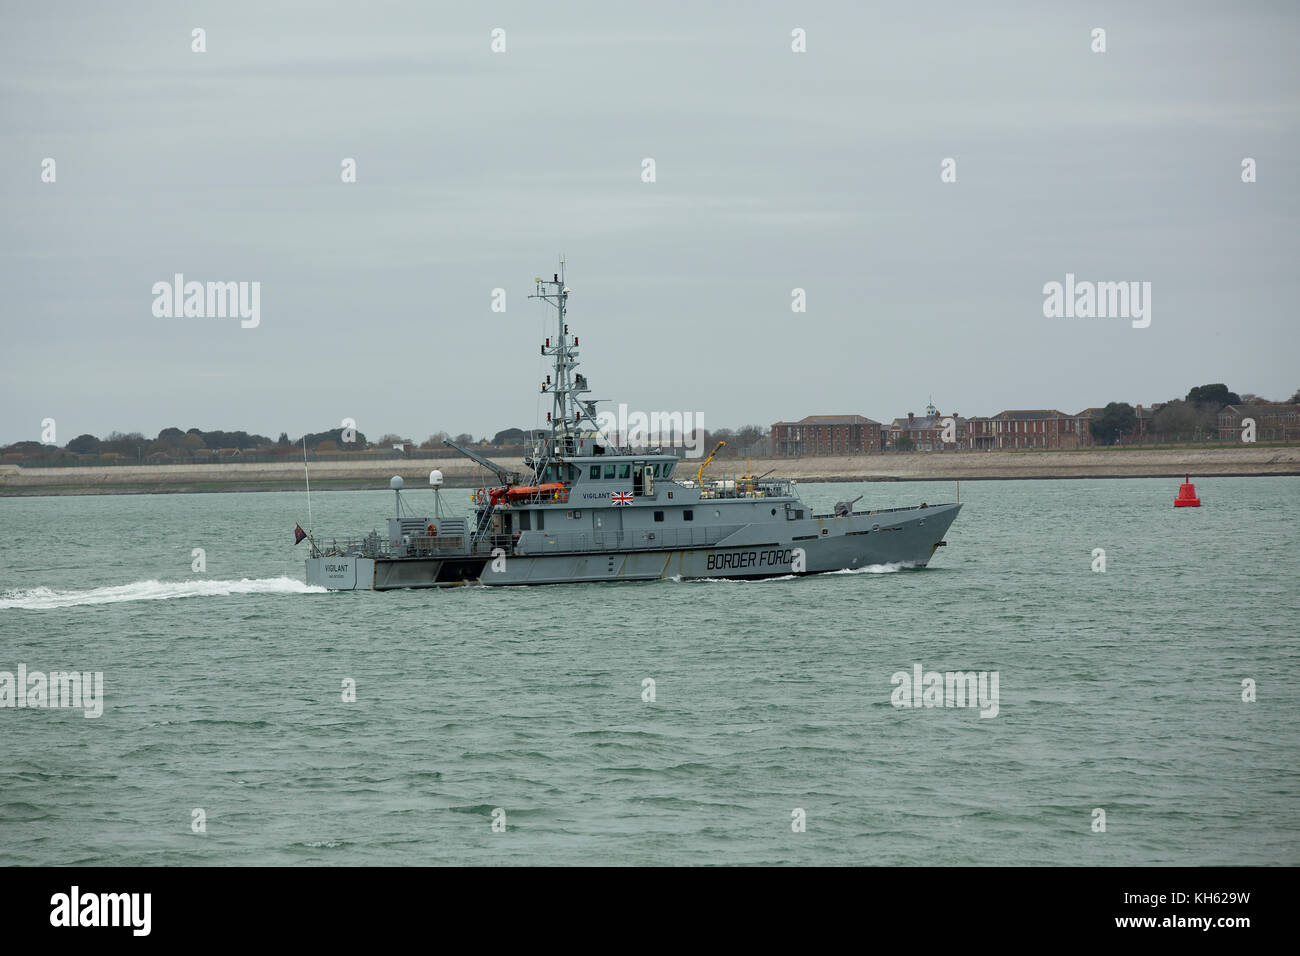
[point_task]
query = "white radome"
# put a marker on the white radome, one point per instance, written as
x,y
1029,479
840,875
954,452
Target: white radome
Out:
x,y
435,478
396,483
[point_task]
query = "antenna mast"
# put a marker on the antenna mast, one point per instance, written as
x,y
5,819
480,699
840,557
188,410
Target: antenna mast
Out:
x,y
567,387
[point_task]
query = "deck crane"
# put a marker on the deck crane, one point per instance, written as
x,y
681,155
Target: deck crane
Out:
x,y
699,475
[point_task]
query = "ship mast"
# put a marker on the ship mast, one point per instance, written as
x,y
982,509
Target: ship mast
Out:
x,y
566,386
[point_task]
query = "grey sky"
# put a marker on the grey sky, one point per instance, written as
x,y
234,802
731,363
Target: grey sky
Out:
x,y
775,170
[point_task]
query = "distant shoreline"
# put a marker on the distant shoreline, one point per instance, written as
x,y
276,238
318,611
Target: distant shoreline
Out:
x,y
1130,462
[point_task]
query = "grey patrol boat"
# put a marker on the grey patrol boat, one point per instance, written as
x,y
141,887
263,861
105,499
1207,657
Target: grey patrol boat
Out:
x,y
587,509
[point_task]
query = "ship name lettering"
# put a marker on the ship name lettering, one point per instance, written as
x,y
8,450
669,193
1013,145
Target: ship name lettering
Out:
x,y
727,561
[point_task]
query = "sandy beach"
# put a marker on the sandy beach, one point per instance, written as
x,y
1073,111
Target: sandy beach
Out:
x,y
288,476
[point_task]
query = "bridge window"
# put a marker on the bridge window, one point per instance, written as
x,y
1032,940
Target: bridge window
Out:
x,y
595,471
688,515
624,471
609,471
668,468
659,516
523,521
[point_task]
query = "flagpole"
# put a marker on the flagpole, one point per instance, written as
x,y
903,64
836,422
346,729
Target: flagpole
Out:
x,y
307,475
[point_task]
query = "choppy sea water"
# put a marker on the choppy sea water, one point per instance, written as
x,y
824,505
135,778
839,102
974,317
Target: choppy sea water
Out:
x,y
1119,691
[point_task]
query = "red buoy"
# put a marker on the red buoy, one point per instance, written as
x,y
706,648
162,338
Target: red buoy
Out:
x,y
1187,495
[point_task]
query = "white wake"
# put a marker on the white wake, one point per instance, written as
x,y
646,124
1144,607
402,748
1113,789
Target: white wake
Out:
x,y
888,568
43,598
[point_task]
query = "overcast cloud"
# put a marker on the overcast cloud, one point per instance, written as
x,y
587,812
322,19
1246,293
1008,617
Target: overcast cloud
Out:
x,y
775,170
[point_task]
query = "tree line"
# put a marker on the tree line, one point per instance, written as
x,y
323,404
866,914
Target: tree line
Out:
x,y
1192,418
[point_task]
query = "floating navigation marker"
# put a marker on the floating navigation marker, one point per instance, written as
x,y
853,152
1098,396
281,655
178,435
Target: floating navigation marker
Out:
x,y
1187,495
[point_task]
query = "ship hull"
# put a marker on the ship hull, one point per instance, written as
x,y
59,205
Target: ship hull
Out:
x,y
905,538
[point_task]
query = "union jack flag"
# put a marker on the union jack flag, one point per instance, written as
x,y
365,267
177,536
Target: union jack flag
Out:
x,y
621,498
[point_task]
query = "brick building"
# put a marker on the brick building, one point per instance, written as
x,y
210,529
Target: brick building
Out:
x,y
1030,428
979,433
826,435
1272,422
1144,415
926,433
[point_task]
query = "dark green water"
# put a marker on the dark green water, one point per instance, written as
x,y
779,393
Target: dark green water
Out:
x,y
222,691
